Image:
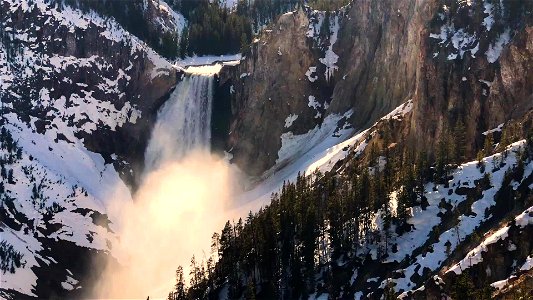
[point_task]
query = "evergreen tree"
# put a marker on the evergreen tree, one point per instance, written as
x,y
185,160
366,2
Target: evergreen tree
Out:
x,y
488,147
460,141
388,292
180,291
463,288
442,156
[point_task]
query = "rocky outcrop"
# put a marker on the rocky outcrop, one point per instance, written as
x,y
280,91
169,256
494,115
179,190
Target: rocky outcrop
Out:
x,y
458,61
473,72
268,86
379,48
366,61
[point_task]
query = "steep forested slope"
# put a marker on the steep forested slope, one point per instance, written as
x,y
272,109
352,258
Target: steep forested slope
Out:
x,y
412,195
384,222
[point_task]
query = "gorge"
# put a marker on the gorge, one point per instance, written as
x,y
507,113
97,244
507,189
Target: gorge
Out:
x,y
350,149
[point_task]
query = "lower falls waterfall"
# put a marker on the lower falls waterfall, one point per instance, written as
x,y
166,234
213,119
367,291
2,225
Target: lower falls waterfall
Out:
x,y
185,195
183,122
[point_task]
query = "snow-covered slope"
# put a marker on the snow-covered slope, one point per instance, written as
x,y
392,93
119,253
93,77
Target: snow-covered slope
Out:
x,y
73,86
51,198
466,177
320,149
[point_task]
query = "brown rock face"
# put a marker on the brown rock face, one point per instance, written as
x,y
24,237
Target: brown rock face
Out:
x,y
479,93
515,81
270,84
379,48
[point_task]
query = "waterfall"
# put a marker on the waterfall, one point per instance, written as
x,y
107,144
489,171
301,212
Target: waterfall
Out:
x,y
183,122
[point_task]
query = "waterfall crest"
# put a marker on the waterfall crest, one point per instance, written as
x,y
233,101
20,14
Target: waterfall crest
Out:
x,y
183,122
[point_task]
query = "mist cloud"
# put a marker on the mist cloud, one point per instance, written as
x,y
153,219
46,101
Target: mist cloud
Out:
x,y
173,216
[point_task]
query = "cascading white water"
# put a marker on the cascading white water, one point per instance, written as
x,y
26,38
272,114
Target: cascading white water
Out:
x,y
183,122
185,194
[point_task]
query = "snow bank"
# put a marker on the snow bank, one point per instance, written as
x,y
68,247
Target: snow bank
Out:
x,y
208,60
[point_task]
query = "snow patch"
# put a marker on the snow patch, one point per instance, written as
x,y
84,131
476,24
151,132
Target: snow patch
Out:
x,y
311,74
497,129
496,48
290,119
330,58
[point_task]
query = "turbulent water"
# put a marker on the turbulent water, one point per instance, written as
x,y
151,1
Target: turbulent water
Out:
x,y
183,122
185,195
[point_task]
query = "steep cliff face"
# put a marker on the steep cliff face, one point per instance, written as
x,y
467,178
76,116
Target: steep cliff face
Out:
x,y
379,50
363,58
459,61
474,69
268,87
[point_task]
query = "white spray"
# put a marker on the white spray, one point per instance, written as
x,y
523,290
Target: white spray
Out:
x,y
183,123
185,196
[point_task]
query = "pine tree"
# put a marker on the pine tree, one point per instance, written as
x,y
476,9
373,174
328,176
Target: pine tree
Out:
x,y
244,42
387,220
180,291
421,173
250,291
10,177
489,145
460,141
463,288
184,42
529,143
215,245
442,156
448,246
193,273
388,292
